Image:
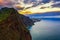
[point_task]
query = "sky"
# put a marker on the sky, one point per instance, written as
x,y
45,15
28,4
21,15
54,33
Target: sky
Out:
x,y
32,6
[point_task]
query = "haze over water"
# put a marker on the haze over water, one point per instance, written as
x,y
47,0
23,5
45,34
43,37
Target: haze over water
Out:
x,y
46,30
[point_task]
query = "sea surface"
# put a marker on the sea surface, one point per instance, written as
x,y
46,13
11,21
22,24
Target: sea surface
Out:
x,y
46,29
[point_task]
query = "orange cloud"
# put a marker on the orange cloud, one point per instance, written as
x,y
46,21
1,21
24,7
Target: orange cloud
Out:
x,y
47,7
6,3
36,10
1,2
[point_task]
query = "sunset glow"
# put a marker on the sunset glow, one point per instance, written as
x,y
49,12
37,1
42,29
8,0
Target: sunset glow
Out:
x,y
42,8
35,10
31,7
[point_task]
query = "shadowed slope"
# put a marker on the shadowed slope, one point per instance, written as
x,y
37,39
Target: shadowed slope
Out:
x,y
12,26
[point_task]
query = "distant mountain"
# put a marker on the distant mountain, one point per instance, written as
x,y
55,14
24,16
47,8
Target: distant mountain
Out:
x,y
13,25
44,14
36,19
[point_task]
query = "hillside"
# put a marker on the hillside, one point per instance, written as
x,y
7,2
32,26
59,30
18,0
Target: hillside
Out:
x,y
13,25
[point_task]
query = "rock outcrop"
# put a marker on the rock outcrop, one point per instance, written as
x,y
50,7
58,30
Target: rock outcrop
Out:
x,y
13,25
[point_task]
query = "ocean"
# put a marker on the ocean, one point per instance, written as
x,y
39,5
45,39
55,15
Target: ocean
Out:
x,y
46,29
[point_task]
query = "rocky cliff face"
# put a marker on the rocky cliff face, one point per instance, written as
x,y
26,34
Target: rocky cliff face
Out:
x,y
13,25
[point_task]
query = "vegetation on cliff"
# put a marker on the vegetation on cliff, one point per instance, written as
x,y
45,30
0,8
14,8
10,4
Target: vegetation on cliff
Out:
x,y
13,25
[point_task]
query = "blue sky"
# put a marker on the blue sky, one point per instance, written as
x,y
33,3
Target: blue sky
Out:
x,y
46,5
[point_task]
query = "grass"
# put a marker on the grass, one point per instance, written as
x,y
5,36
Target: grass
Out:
x,y
4,14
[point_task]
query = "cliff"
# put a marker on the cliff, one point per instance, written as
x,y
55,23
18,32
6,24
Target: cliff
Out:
x,y
13,25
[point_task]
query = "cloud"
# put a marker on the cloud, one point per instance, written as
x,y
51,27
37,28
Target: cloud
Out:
x,y
38,10
6,3
42,8
32,6
15,3
21,2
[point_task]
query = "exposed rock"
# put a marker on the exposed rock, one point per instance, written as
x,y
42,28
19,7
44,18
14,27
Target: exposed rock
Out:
x,y
36,19
13,25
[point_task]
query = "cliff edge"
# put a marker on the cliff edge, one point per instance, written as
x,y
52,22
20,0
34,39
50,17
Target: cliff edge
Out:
x,y
13,25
